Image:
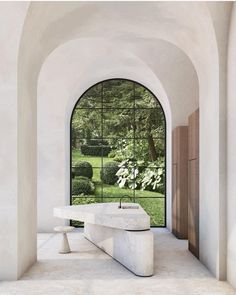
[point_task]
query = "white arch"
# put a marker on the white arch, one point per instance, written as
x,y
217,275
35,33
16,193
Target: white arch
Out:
x,y
54,149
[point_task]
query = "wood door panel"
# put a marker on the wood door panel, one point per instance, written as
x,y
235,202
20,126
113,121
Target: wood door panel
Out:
x,y
193,207
193,136
180,182
174,198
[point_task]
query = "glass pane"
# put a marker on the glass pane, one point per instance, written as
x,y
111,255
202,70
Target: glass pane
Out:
x,y
144,98
150,182
122,149
92,98
77,156
139,193
118,94
118,123
155,208
127,175
96,175
82,201
86,123
117,199
149,122
125,124
98,186
150,150
76,153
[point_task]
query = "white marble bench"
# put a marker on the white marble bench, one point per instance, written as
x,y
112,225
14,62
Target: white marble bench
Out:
x,y
122,233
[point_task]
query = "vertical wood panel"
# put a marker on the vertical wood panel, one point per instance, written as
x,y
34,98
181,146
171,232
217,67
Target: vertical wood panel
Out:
x,y
193,210
175,145
193,183
174,198
193,135
180,183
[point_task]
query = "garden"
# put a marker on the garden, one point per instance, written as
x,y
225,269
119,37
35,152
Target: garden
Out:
x,y
118,148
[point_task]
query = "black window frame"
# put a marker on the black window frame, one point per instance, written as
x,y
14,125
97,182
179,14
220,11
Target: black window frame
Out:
x,y
165,143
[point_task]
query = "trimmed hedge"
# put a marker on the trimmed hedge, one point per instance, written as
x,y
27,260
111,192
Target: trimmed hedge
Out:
x,y
95,150
97,142
83,168
108,172
82,185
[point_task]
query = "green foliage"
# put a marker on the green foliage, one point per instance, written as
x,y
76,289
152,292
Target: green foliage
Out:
x,y
83,168
127,149
112,154
82,185
124,149
131,120
82,200
97,142
108,172
135,175
92,150
119,120
127,174
152,178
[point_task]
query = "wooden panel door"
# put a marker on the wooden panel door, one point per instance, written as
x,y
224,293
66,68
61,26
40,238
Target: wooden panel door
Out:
x,y
193,183
193,207
174,198
180,182
193,135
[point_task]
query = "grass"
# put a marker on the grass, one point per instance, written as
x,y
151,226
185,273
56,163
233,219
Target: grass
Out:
x,y
152,202
96,162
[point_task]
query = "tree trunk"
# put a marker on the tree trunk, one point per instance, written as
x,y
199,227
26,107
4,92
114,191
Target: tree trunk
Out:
x,y
152,149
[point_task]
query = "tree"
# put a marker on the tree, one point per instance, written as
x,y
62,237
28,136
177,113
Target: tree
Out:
x,y
120,109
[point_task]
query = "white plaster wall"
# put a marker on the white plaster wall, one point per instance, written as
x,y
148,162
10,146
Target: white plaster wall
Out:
x,y
11,22
231,153
221,13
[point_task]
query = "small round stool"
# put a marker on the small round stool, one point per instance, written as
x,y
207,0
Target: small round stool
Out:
x,y
65,247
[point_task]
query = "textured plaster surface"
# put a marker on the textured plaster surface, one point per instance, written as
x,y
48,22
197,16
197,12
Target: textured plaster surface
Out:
x,y
231,155
88,270
187,26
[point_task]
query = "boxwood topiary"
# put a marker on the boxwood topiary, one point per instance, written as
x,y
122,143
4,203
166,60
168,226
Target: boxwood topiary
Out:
x,y
108,172
83,168
91,150
82,185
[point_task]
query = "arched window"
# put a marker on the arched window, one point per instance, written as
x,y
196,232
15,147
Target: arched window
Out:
x,y
118,147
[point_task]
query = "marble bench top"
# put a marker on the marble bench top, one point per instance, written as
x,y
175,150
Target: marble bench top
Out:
x,y
107,214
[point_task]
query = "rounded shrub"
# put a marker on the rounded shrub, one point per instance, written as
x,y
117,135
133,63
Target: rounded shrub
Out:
x,y
108,172
82,185
83,168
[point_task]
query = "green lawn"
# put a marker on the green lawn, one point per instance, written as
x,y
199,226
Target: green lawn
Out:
x,y
111,193
96,162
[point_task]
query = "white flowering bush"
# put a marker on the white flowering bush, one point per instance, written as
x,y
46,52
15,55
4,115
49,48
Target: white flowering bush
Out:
x,y
132,175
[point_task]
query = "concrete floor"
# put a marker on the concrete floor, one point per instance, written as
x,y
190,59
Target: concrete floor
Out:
x,y
88,270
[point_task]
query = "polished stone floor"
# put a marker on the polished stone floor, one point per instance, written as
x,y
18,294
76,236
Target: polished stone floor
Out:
x,y
88,270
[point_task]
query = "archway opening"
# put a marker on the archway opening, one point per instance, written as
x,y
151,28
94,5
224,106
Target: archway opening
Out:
x,y
118,147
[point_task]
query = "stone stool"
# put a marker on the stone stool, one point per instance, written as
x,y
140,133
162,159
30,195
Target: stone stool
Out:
x,y
65,247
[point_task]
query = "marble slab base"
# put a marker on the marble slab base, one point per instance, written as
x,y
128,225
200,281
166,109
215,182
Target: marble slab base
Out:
x,y
133,249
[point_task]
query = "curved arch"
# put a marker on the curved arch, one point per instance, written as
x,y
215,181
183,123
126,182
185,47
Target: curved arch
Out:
x,y
60,92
